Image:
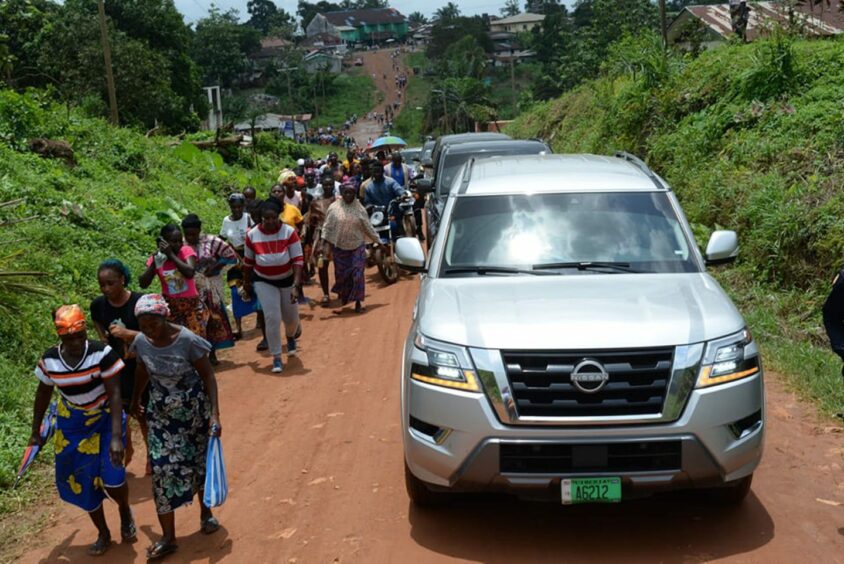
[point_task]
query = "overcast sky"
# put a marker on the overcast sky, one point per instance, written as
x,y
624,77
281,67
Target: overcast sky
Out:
x,y
196,9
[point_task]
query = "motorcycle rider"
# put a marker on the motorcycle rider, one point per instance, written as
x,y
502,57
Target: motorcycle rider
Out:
x,y
398,171
381,191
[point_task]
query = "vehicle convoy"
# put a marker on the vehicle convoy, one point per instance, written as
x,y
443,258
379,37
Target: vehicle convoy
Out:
x,y
567,342
452,157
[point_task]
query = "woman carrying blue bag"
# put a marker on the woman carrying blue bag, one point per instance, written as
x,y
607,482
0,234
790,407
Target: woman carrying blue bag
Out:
x,y
181,413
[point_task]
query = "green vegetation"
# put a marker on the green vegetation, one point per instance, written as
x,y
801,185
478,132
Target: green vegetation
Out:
x,y
751,138
123,188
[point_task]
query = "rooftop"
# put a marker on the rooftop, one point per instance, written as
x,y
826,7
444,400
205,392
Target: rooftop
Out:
x,y
527,17
527,174
816,19
372,16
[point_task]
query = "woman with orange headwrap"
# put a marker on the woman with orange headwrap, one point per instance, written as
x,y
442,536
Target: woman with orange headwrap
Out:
x,y
90,430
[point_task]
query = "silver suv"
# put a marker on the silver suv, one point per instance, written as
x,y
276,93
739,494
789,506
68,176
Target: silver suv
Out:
x,y
567,342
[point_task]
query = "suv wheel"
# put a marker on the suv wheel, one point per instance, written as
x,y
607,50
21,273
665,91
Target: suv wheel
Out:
x,y
731,493
419,492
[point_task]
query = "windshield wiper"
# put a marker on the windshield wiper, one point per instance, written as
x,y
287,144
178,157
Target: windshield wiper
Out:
x,y
481,270
587,265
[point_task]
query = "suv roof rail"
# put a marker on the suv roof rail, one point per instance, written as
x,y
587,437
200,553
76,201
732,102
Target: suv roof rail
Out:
x,y
640,164
467,174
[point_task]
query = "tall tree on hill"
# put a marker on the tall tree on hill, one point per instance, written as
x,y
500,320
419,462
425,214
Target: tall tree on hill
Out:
x,y
445,31
448,12
307,10
156,80
546,7
417,18
21,22
265,16
222,46
367,4
511,8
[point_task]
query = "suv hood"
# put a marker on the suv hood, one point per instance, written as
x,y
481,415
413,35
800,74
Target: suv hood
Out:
x,y
588,311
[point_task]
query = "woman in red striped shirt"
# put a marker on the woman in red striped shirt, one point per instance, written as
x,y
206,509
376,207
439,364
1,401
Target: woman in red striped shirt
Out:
x,y
273,263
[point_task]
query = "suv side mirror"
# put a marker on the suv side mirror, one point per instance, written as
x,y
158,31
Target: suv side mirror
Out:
x,y
409,254
424,186
722,248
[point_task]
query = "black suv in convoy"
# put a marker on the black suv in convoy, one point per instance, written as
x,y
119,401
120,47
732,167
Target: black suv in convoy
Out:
x,y
452,157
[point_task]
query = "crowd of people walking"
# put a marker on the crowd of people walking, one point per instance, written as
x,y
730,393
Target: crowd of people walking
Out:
x,y
154,361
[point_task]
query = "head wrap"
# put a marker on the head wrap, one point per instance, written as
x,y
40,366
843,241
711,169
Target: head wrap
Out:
x,y
236,198
286,175
152,304
348,186
300,162
69,319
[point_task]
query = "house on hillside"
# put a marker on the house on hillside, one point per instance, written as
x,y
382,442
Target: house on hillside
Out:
x,y
360,26
507,49
710,25
517,23
287,125
273,50
323,61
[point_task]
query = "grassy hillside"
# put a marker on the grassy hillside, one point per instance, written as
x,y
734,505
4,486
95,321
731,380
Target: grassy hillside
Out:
x,y
751,137
122,190
408,124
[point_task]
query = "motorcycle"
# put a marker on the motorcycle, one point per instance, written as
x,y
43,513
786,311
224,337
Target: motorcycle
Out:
x,y
383,255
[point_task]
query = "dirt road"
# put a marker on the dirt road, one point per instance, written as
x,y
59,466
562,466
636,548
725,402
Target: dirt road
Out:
x,y
314,462
377,64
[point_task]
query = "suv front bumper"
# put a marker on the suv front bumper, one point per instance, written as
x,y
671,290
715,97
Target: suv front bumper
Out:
x,y
455,441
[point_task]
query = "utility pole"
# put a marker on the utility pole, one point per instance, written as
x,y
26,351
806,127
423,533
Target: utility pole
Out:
x,y
663,22
112,94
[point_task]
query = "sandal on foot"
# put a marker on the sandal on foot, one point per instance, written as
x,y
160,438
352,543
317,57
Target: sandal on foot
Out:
x,y
325,300
209,526
129,533
100,547
161,549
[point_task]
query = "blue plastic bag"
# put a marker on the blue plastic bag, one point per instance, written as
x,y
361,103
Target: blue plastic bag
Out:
x,y
216,485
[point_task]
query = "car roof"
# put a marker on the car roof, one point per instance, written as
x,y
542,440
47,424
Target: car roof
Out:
x,y
528,174
467,137
496,145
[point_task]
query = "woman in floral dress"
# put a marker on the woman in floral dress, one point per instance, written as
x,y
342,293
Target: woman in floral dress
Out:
x,y
181,412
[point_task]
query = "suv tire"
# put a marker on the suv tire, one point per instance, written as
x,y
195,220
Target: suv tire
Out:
x,y
419,492
731,493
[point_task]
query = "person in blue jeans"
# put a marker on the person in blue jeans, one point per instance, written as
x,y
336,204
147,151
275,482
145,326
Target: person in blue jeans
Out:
x,y
381,191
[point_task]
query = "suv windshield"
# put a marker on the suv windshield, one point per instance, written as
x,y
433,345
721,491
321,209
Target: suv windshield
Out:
x,y
609,232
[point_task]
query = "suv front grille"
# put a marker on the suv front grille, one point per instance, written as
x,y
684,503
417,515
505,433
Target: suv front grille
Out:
x,y
550,458
541,382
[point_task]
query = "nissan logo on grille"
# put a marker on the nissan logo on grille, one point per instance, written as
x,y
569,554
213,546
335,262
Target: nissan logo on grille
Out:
x,y
589,376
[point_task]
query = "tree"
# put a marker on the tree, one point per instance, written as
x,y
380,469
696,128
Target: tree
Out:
x,y
448,12
546,7
445,31
222,46
417,18
21,23
511,8
463,58
265,16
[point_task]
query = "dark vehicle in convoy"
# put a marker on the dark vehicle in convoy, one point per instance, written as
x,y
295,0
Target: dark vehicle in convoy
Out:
x,y
453,157
446,140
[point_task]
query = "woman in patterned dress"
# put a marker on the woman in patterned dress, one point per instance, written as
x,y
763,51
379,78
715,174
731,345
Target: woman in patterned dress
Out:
x,y
90,425
212,254
181,412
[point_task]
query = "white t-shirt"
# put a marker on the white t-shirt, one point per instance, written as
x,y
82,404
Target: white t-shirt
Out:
x,y
296,200
235,231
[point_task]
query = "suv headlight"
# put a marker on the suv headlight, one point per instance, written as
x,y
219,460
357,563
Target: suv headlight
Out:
x,y
447,365
728,359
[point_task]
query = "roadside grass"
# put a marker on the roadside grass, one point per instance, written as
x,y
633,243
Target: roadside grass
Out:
x,y
751,139
355,94
409,123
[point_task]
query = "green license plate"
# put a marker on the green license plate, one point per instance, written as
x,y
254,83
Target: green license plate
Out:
x,y
591,490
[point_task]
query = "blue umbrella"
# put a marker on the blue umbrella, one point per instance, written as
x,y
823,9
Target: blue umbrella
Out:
x,y
388,141
48,427
216,485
